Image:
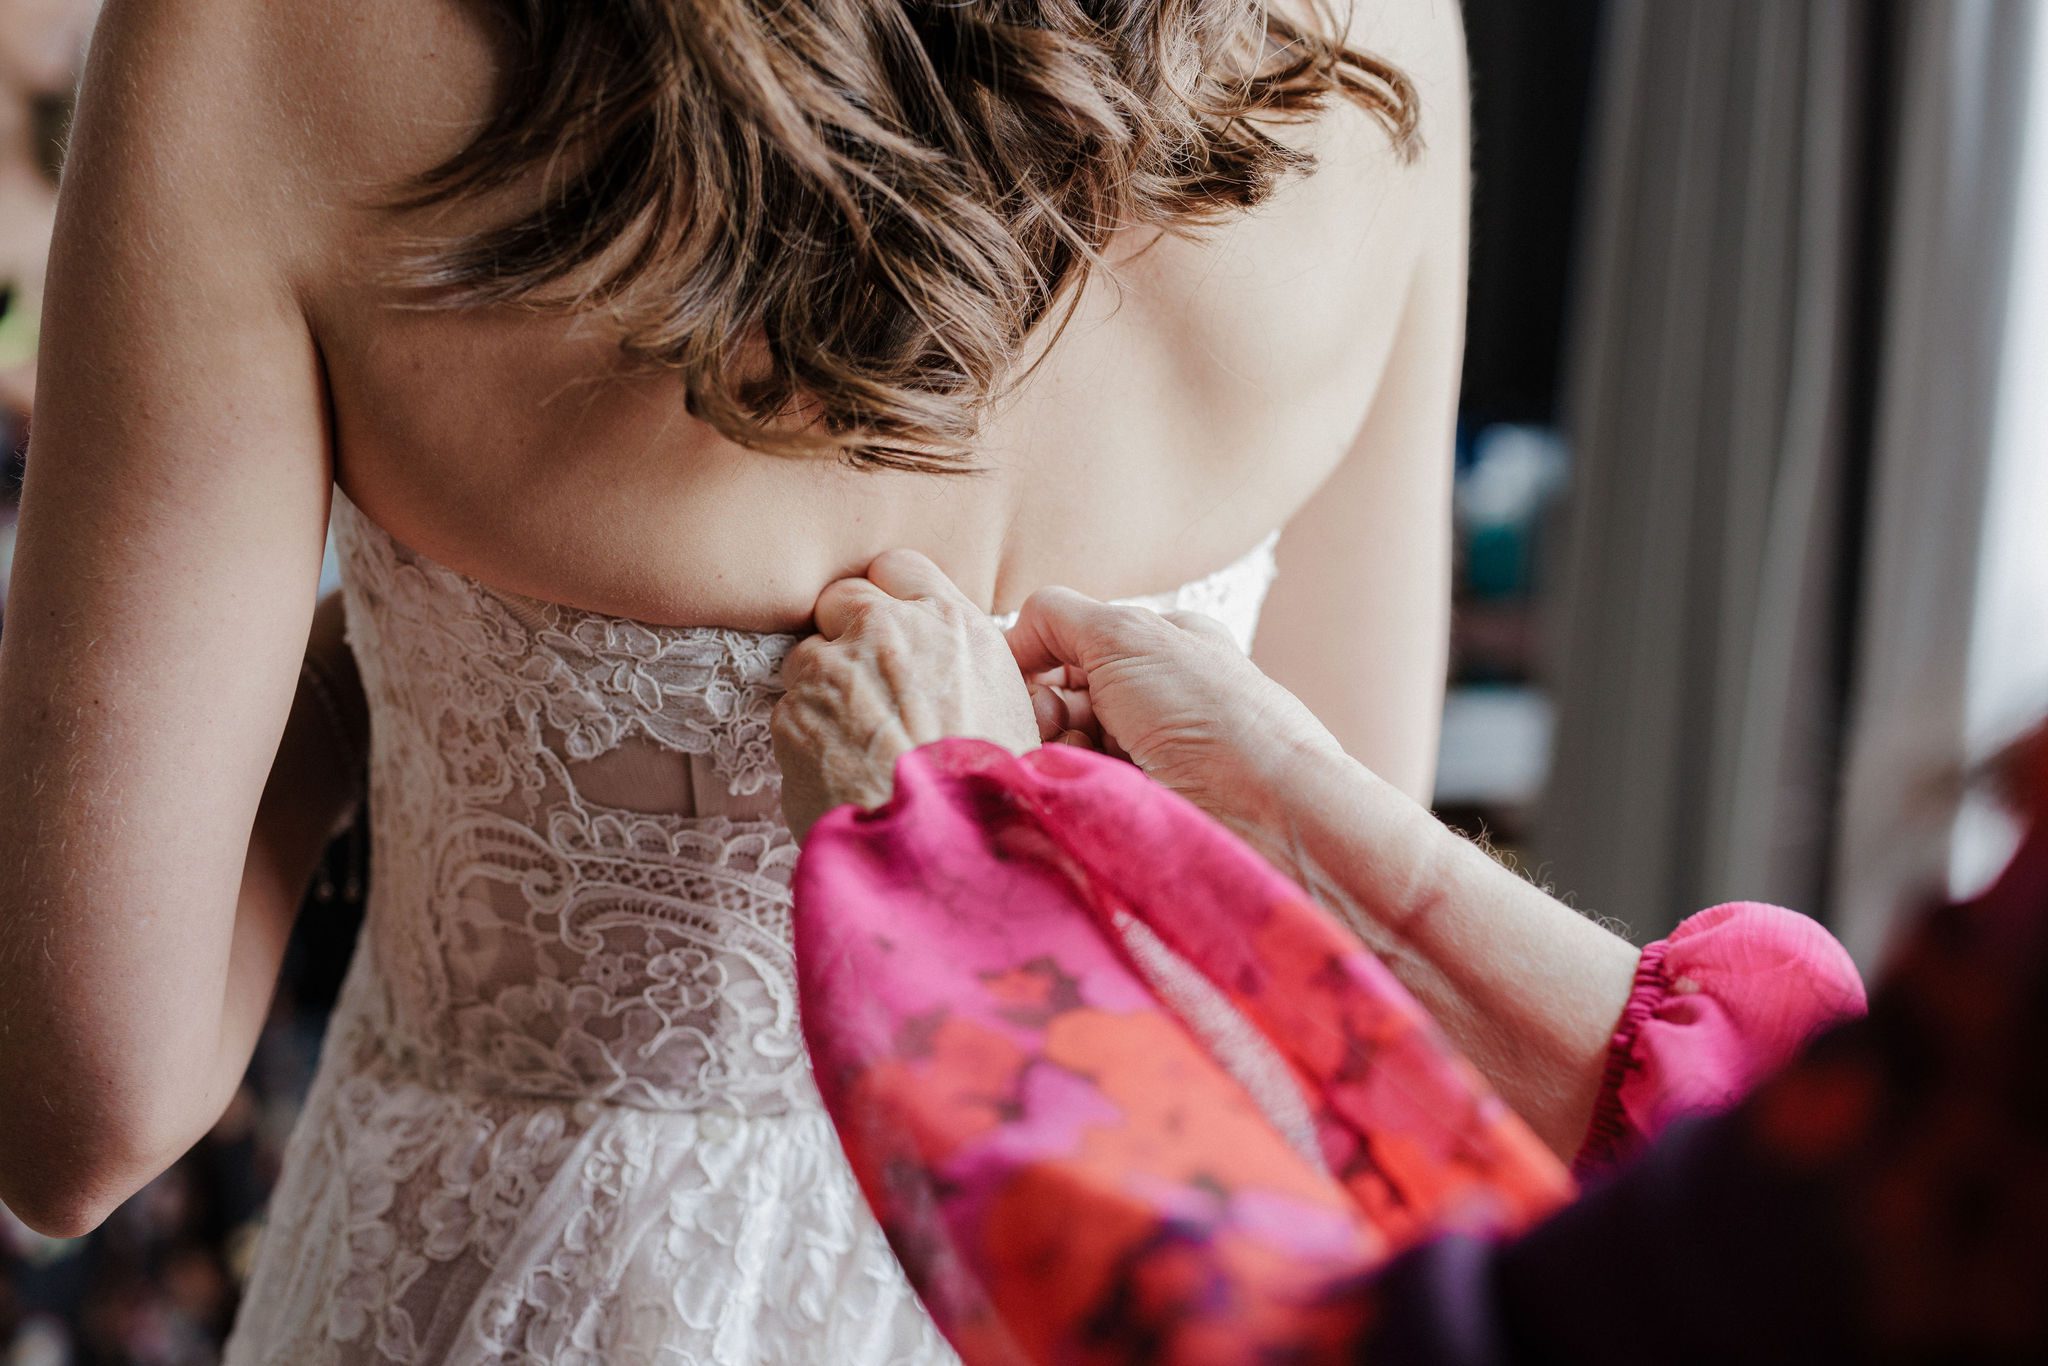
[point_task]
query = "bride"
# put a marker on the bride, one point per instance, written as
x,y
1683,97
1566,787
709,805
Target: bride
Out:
x,y
603,335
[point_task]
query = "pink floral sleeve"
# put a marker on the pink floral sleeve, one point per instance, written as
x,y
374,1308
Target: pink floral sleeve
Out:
x,y
1720,1005
1116,1089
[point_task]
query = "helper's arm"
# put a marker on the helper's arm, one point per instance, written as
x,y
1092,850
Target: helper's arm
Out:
x,y
1565,1018
1527,989
1595,1045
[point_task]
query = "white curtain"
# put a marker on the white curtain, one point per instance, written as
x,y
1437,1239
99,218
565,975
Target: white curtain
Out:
x,y
1789,340
1953,648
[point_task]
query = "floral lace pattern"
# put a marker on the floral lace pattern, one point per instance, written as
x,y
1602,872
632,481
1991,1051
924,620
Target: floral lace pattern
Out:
x,y
564,1112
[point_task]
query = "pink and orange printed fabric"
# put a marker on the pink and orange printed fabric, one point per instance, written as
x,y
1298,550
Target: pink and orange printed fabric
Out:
x,y
1003,1052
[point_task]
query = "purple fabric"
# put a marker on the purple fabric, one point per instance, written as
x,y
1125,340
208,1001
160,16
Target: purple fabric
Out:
x,y
1705,1251
1882,1198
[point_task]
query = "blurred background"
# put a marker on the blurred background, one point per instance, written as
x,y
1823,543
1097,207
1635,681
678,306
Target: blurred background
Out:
x,y
1752,509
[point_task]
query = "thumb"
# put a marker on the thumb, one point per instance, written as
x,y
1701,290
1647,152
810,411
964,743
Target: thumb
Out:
x,y
1060,628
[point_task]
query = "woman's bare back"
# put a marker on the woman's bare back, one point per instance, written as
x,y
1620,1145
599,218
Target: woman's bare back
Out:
x,y
1198,399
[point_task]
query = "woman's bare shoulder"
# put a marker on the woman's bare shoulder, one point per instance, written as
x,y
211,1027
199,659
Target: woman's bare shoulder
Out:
x,y
1424,41
1303,295
302,114
390,87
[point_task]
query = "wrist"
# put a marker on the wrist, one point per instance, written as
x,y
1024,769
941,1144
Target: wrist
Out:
x,y
1274,798
1360,846
1274,778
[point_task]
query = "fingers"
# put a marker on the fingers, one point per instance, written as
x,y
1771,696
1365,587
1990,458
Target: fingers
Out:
x,y
843,603
1059,709
1049,710
1061,631
901,575
811,660
1079,707
1059,628
1201,624
907,574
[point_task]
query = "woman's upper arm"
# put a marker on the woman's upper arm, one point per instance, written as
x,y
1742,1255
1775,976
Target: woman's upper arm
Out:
x,y
167,562
1358,622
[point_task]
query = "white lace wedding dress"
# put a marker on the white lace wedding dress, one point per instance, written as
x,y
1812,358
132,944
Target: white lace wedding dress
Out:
x,y
563,1113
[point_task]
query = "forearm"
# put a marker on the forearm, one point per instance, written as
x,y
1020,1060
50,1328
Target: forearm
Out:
x,y
1526,988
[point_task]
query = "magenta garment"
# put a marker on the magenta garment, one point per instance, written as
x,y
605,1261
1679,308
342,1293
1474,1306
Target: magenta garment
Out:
x,y
1728,999
1116,1090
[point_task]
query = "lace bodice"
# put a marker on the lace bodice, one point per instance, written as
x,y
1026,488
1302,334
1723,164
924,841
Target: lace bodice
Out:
x,y
563,1115
581,870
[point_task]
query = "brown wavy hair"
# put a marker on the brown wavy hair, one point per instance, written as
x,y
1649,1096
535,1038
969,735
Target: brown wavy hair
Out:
x,y
841,221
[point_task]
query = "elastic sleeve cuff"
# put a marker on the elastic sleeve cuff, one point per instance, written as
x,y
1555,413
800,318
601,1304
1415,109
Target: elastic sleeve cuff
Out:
x,y
1718,1006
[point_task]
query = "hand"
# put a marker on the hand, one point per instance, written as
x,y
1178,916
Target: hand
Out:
x,y
1173,693
901,658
